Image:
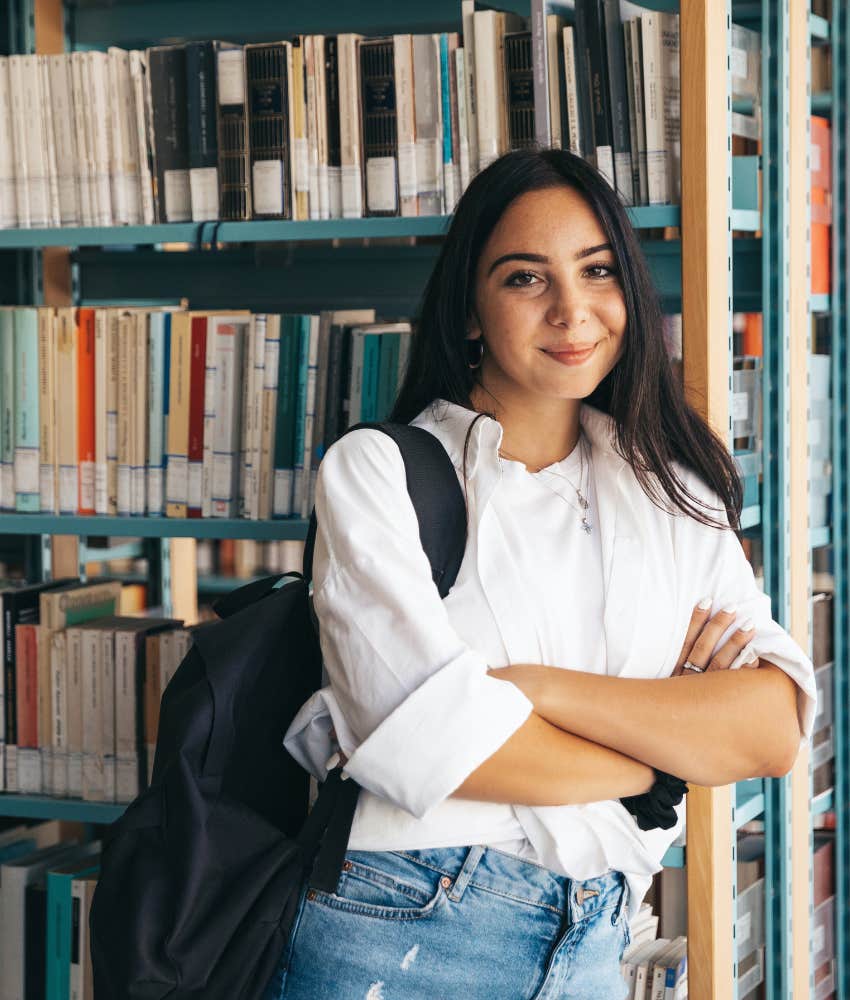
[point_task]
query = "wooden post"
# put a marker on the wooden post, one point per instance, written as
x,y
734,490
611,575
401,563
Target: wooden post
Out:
x,y
706,291
800,581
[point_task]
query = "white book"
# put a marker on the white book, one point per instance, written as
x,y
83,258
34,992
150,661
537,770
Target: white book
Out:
x,y
138,393
428,131
645,966
229,335
321,126
38,171
470,84
491,109
15,876
123,171
405,124
255,413
672,102
269,413
107,685
98,64
141,111
462,123
65,137
658,188
312,127
8,204
667,967
126,746
632,958
209,423
92,716
573,138
59,711
80,977
84,159
355,384
74,687
48,141
19,134
351,150
247,384
634,48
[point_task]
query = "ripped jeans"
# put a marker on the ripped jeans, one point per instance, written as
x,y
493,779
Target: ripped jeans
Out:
x,y
473,923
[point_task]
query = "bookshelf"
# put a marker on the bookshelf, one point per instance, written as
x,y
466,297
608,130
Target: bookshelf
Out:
x,y
95,265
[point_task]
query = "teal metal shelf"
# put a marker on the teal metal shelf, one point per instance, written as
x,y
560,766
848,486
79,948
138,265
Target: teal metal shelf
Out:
x,y
674,858
818,537
153,527
749,802
642,217
823,803
745,220
223,584
819,303
47,807
750,517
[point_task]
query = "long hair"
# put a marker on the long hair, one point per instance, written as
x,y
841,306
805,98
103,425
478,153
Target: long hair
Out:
x,y
654,424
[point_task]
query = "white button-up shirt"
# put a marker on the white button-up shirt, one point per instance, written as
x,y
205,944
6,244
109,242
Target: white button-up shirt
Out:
x,y
407,690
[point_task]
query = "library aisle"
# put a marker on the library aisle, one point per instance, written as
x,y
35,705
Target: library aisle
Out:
x,y
217,222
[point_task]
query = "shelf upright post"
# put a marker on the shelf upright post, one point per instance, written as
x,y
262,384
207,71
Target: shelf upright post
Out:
x,y
840,38
798,956
705,27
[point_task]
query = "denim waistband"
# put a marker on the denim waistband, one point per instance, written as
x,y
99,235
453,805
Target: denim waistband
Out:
x,y
514,877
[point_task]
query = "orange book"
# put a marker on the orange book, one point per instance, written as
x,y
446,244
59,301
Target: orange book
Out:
x,y
197,388
751,345
26,678
85,410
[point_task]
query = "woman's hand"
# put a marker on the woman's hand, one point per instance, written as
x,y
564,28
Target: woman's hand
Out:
x,y
703,635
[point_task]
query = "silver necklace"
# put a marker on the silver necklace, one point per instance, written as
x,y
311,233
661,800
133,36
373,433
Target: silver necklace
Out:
x,y
583,502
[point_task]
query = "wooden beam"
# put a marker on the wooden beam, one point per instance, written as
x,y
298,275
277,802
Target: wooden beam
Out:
x,y
800,333
184,577
706,291
49,27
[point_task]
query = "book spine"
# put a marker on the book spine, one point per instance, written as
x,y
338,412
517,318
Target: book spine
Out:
x,y
300,161
405,124
126,712
74,641
48,142
29,765
268,122
233,155
27,465
125,383
309,420
177,473
620,135
350,126
284,448
7,410
209,419
138,395
427,142
332,114
319,71
57,653
470,84
201,128
356,410
107,685
38,180
85,410
656,147
101,134
520,75
101,327
82,164
167,69
8,204
47,411
540,61
197,380
225,475
156,350
380,126
142,123
112,359
92,695
270,396
599,91
640,120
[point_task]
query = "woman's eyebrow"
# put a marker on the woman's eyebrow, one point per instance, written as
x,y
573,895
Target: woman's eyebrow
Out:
x,y
539,258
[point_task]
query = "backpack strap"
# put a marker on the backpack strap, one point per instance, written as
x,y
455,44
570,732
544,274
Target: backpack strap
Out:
x,y
437,499
441,510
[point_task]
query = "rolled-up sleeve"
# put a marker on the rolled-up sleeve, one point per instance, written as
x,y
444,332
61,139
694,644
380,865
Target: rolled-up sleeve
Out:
x,y
418,703
734,584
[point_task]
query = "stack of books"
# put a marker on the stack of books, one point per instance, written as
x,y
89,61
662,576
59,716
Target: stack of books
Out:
x,y
168,412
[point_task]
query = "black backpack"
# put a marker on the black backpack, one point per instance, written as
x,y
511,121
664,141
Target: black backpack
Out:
x,y
201,876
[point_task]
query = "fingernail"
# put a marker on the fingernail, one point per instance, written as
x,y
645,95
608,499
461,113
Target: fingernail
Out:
x,y
746,625
704,604
332,762
730,609
751,656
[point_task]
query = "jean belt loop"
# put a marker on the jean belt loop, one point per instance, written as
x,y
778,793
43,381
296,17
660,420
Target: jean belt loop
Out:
x,y
465,874
620,910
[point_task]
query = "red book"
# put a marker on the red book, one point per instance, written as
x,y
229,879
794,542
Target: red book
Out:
x,y
26,675
85,410
197,377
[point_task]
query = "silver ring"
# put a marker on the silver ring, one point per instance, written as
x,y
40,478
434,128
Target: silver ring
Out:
x,y
687,665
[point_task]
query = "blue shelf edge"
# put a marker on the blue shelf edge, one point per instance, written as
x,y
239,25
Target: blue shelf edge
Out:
x,y
153,527
47,807
674,858
819,303
749,803
642,217
818,27
819,537
824,802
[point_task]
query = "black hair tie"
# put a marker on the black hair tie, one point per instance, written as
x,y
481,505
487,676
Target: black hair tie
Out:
x,y
655,809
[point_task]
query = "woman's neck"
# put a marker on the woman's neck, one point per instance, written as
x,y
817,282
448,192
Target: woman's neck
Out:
x,y
538,434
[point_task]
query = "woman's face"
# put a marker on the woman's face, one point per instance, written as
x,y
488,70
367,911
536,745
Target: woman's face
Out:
x,y
545,283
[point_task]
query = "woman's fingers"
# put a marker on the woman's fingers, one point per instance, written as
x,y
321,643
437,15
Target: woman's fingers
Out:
x,y
728,652
699,617
704,647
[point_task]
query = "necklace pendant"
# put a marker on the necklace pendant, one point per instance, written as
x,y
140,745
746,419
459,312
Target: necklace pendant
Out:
x,y
582,501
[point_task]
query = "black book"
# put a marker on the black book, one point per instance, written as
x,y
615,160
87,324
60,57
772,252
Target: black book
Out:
x,y
332,106
380,125
201,130
519,87
268,129
333,397
234,160
35,940
618,93
590,54
167,74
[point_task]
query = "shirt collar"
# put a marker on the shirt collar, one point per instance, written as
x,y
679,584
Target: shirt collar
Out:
x,y
450,421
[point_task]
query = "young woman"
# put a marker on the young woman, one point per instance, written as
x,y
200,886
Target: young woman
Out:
x,y
507,738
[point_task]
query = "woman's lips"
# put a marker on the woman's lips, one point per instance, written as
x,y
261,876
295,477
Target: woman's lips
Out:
x,y
572,357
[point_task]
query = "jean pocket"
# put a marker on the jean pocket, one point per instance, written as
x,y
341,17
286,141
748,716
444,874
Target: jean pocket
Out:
x,y
383,885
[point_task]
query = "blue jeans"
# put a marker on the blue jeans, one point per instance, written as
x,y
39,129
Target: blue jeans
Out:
x,y
455,922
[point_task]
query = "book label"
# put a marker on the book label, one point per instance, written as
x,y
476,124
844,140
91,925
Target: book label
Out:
x,y
268,187
381,183
178,196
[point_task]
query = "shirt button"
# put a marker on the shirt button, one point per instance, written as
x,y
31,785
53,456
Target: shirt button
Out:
x,y
445,881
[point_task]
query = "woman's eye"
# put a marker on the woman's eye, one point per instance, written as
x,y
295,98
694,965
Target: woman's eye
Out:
x,y
520,274
609,271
